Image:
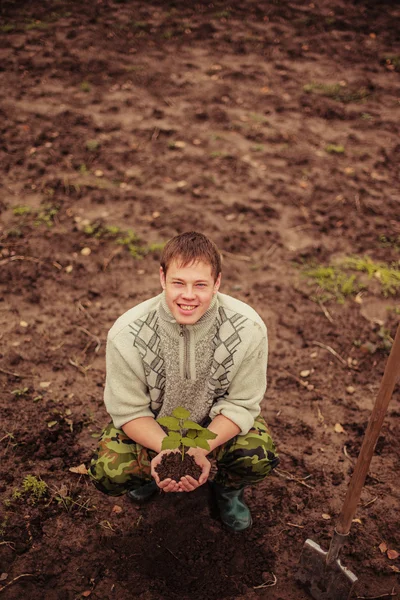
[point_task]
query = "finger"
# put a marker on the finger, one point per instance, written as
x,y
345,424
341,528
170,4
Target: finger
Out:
x,y
203,477
188,483
172,486
164,483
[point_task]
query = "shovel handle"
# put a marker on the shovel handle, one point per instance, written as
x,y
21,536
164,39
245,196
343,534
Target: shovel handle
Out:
x,y
392,372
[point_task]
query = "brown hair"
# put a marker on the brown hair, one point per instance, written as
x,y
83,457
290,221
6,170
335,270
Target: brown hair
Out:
x,y
190,247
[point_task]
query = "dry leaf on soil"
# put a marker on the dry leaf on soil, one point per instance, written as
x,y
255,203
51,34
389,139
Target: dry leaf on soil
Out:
x,y
392,554
338,428
116,509
383,547
81,470
326,516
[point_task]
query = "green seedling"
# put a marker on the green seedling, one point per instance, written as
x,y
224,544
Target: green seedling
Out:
x,y
34,487
334,149
7,28
387,275
85,86
20,211
46,216
92,145
19,392
334,281
184,433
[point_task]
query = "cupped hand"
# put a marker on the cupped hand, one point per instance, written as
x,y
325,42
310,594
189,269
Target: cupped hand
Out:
x,y
166,485
188,483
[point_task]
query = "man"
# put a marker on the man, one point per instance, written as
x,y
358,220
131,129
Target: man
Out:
x,y
194,347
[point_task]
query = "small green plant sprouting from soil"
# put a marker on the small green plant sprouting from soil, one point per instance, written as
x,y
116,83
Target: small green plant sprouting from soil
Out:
x,y
33,489
184,433
127,238
42,216
337,91
390,242
66,499
333,281
387,275
334,149
223,14
258,118
46,216
21,211
341,280
7,28
92,145
85,86
19,392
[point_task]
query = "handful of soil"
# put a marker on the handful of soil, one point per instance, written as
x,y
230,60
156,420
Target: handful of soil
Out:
x,y
173,467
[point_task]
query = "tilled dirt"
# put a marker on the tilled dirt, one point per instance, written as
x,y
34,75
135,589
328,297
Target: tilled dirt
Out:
x,y
273,127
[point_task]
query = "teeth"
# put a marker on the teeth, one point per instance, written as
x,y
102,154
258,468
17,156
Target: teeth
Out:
x,y
186,307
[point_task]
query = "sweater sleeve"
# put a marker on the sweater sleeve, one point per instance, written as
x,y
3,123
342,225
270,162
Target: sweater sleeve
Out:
x,y
125,395
242,402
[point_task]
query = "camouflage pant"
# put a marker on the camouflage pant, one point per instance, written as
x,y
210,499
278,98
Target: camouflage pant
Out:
x,y
121,464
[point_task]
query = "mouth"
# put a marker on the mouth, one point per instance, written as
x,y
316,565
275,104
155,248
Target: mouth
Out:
x,y
187,308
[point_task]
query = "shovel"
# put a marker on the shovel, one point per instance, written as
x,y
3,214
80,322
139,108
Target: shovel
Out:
x,y
321,573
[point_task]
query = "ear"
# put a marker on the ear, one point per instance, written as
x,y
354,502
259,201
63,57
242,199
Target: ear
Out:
x,y
162,278
217,284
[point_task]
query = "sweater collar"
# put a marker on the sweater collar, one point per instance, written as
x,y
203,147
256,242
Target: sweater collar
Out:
x,y
169,323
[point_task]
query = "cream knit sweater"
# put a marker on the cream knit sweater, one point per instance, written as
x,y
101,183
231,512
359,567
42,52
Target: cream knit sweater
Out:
x,y
217,366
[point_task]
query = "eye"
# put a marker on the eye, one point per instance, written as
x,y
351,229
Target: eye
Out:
x,y
201,285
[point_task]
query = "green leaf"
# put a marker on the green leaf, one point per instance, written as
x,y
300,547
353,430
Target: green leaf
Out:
x,y
202,443
188,442
181,413
169,422
206,434
168,444
174,435
188,424
191,434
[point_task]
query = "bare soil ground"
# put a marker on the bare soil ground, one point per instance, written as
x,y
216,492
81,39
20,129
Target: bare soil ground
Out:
x,y
271,126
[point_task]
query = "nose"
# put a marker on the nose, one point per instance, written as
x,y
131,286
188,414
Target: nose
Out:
x,y
188,292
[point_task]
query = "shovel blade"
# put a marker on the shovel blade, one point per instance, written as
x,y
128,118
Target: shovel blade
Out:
x,y
323,581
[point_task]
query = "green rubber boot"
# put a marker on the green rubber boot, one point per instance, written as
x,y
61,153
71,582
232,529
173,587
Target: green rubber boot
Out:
x,y
143,493
233,511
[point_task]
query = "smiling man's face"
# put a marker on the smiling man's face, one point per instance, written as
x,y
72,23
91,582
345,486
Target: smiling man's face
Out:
x,y
189,290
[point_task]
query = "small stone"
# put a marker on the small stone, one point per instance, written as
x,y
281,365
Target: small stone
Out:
x,y
99,173
305,373
68,268
86,251
180,144
350,389
326,516
23,324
